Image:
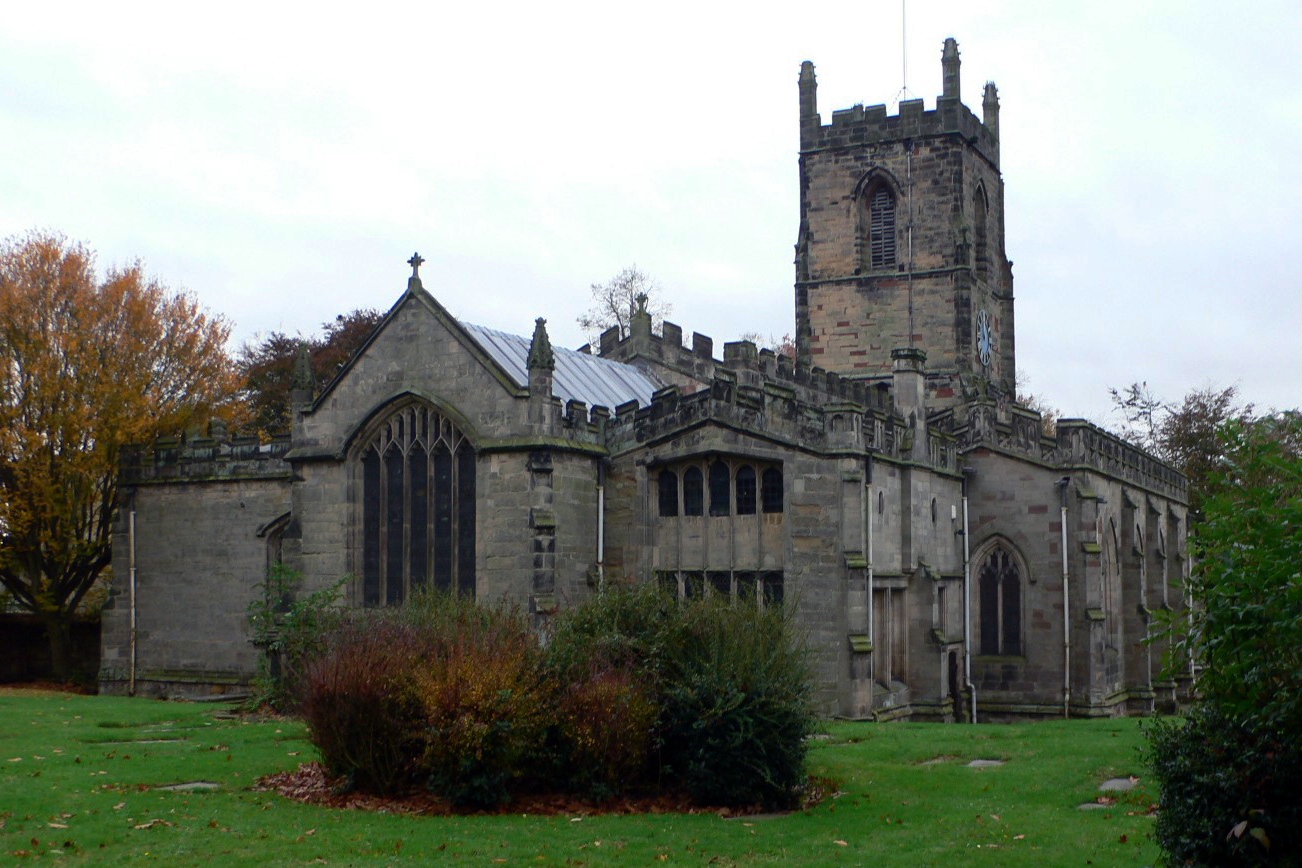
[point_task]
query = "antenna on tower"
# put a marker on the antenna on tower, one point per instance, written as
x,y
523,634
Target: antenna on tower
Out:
x,y
904,54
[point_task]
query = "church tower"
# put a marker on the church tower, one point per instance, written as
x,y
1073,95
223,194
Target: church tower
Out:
x,y
901,242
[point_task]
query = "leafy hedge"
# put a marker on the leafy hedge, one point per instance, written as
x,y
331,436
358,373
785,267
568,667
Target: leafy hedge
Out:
x,y
1231,791
630,692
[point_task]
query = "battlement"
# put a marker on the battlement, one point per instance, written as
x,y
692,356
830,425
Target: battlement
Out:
x,y
858,126
692,368
866,125
175,459
754,390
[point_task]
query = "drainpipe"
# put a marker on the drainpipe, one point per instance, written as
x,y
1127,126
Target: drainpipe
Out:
x,y
866,527
601,528
968,473
131,572
1063,484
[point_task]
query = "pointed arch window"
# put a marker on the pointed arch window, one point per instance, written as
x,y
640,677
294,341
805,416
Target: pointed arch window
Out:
x,y
417,474
881,228
1000,584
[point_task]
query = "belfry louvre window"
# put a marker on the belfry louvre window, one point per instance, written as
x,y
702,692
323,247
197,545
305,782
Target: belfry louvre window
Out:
x,y
1001,605
418,507
881,229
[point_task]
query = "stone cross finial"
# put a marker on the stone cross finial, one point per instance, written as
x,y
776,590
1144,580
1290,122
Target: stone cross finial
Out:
x,y
415,262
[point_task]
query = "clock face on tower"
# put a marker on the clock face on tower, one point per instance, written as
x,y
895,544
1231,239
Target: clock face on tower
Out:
x,y
985,343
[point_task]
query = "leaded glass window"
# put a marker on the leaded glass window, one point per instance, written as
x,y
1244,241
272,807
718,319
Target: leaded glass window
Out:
x,y
417,473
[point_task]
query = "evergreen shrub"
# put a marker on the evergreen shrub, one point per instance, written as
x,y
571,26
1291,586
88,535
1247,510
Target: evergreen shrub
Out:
x,y
737,705
1231,790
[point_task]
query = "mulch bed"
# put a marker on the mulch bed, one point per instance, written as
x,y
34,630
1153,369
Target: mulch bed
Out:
x,y
311,784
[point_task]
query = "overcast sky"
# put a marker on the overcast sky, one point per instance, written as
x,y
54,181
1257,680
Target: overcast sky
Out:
x,y
282,164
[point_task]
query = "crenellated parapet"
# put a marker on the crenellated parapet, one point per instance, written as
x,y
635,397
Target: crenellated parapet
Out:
x,y
177,459
774,411
861,126
867,125
758,391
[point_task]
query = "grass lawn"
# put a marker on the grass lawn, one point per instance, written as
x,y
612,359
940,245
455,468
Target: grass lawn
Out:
x,y
79,778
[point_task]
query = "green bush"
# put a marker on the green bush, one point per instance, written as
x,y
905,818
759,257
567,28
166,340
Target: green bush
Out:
x,y
623,628
737,705
1230,791
290,631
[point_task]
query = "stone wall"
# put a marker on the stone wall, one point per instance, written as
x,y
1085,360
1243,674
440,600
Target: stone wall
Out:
x,y
202,547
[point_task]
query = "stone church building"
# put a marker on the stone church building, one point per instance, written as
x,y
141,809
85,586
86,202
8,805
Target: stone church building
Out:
x,y
943,554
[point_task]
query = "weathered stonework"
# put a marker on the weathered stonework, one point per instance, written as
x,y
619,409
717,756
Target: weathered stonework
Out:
x,y
941,552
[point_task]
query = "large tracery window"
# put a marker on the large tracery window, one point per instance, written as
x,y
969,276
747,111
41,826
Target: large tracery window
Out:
x,y
418,507
1000,586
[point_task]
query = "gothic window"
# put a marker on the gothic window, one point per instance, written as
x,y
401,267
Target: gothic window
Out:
x,y
417,474
720,485
693,491
771,489
668,493
745,490
881,228
1001,604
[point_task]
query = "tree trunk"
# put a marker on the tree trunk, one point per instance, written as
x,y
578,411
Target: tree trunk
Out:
x,y
58,628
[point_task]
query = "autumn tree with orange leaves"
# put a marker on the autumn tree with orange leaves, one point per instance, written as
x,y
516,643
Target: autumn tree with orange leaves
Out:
x,y
86,366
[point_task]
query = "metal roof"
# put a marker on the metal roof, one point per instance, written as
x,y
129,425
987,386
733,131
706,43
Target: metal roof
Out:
x,y
578,376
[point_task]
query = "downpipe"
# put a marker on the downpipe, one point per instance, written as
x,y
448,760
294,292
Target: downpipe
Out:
x,y
1063,484
968,473
601,528
131,584
867,528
